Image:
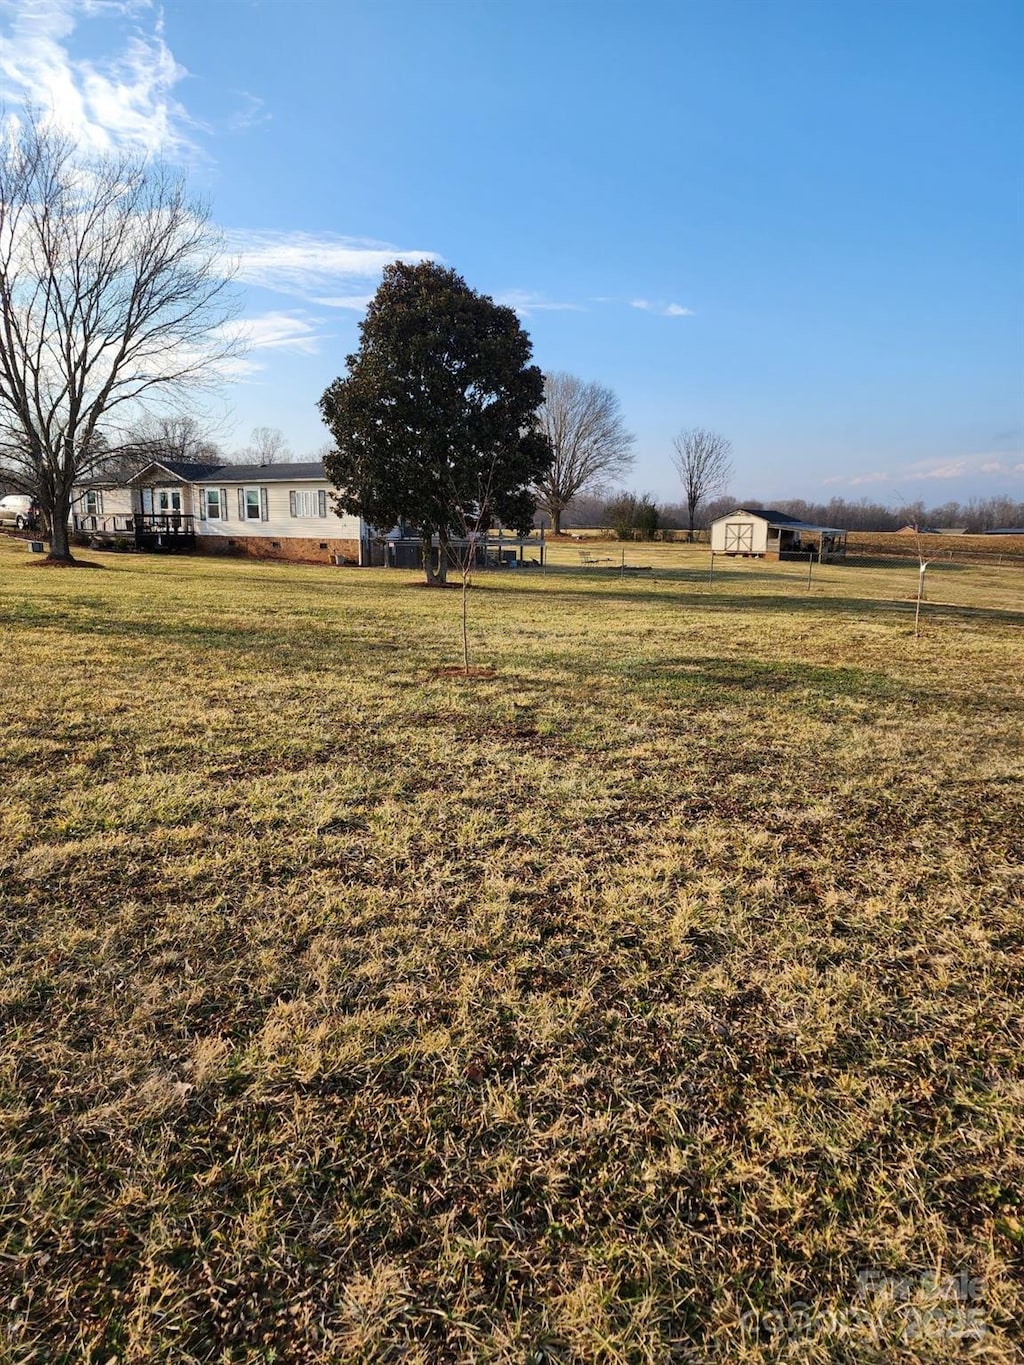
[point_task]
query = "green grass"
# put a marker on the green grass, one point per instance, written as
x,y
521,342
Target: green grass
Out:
x,y
608,1009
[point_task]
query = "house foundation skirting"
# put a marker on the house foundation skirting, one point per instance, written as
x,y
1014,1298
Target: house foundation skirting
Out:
x,y
306,550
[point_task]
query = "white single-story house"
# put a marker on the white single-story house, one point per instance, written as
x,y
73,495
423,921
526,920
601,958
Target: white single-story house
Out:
x,y
273,511
758,531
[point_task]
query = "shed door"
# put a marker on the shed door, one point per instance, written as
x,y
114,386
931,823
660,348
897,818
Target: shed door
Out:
x,y
739,537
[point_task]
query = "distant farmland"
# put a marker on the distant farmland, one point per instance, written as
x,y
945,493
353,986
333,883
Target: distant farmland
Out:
x,y
980,549
655,999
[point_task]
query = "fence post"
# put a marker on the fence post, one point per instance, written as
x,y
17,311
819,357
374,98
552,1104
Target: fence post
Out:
x,y
711,571
810,566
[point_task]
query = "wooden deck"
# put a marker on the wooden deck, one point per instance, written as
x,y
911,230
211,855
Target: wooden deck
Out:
x,y
163,532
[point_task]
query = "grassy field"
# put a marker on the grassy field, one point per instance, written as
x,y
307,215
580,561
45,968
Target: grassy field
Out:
x,y
657,999
1007,551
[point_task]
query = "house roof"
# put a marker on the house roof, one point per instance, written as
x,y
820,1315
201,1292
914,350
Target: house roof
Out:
x,y
191,472
265,473
784,520
187,471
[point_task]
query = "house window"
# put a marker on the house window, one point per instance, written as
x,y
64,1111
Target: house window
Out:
x,y
213,507
168,500
93,503
307,502
253,504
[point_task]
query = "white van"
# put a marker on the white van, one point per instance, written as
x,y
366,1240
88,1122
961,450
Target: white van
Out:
x,y
18,511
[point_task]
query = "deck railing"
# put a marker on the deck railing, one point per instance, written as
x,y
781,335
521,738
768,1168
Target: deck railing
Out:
x,y
116,524
164,523
150,530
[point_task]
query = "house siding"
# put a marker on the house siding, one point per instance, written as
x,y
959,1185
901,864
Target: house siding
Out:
x,y
113,502
298,537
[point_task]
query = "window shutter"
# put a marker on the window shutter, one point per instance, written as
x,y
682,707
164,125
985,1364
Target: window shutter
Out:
x,y
241,504
99,502
264,505
224,504
291,503
201,500
321,498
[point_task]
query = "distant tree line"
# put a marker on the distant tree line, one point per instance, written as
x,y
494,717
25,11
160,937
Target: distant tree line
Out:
x,y
637,516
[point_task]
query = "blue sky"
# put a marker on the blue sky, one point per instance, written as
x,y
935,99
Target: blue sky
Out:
x,y
800,224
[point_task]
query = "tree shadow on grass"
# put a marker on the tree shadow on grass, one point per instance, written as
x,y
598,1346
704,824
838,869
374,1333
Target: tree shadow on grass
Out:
x,y
738,678
794,603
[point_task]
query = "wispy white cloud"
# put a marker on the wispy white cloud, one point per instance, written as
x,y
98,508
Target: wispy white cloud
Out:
x,y
280,332
855,480
323,269
994,467
951,467
275,332
526,303
252,113
665,310
125,99
357,303
944,469
960,466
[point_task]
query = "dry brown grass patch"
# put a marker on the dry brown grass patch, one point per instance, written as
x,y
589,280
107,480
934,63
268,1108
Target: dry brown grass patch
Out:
x,y
628,1005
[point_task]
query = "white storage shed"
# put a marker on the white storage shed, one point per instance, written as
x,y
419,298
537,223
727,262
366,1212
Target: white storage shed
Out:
x,y
760,532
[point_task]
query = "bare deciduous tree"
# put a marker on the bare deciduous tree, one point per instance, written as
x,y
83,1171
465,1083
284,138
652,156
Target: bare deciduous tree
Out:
x,y
113,296
170,436
703,460
267,445
592,447
913,520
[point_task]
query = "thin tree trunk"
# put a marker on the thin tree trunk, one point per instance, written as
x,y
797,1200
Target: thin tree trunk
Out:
x,y
442,556
465,628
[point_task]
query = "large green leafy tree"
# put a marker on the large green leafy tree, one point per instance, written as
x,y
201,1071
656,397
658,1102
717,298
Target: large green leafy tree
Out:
x,y
435,423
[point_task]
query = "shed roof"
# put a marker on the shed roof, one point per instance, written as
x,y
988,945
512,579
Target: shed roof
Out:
x,y
784,520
